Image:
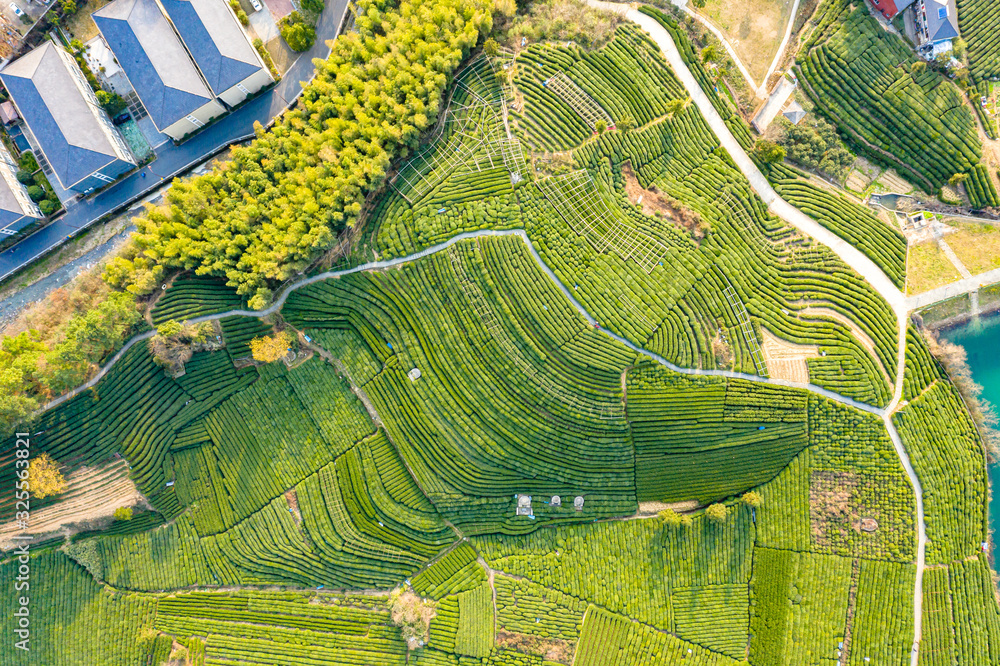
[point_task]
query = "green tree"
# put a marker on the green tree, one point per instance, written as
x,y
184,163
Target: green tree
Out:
x,y
959,46
675,106
286,196
918,67
313,5
670,517
297,33
491,48
123,513
768,152
87,339
169,328
19,383
112,103
600,126
626,122
717,513
36,193
752,499
48,206
27,161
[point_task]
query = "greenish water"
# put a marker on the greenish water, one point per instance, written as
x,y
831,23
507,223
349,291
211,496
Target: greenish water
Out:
x,y
981,340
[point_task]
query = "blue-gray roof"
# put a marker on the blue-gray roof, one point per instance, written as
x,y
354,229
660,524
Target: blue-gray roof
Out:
x,y
154,60
215,40
64,123
942,20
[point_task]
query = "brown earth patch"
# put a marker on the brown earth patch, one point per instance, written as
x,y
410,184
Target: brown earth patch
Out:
x,y
722,351
786,360
656,204
647,509
91,497
830,503
550,649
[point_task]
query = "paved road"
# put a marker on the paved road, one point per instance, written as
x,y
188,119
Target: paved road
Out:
x,y
172,160
847,253
957,288
483,233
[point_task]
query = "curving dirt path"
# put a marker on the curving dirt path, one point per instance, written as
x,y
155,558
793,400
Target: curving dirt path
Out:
x,y
862,337
847,253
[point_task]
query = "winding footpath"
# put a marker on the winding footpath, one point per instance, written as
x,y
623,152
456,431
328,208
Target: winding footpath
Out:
x,y
847,253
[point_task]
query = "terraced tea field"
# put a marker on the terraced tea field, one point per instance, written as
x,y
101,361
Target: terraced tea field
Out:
x,y
529,422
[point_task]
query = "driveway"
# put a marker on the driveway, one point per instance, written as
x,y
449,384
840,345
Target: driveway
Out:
x,y
174,160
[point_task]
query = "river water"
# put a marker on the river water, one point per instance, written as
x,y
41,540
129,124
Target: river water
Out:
x,y
981,339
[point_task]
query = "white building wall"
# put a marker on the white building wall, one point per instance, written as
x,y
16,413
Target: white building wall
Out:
x,y
248,86
194,120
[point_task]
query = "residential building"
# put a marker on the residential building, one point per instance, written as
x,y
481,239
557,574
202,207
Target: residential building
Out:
x,y
936,23
17,210
891,8
8,113
157,66
229,63
63,120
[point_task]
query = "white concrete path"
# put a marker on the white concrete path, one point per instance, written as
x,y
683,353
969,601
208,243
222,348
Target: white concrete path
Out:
x,y
847,253
781,47
758,88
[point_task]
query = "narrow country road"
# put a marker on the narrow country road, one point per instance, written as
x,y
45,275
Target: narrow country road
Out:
x,y
847,253
754,86
434,249
172,160
781,47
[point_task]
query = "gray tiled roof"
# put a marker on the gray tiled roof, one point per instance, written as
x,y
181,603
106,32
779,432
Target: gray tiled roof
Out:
x,y
64,123
941,27
216,41
154,60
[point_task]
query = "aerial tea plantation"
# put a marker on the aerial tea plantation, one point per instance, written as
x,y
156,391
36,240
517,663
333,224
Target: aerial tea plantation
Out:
x,y
536,417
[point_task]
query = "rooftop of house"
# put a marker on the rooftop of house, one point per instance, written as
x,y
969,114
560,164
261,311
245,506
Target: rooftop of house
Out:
x,y
215,40
891,8
942,20
48,97
154,59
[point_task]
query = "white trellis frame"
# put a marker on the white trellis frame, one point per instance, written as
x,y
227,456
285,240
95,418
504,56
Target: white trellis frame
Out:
x,y
589,110
749,335
577,198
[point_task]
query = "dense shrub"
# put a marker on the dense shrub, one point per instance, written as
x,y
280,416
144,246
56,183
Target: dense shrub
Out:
x,y
285,197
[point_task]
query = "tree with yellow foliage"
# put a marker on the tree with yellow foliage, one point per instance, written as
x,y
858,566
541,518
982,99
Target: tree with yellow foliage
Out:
x,y
271,348
44,477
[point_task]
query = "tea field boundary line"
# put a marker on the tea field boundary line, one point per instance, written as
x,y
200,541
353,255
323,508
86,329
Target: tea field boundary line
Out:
x,y
434,249
849,254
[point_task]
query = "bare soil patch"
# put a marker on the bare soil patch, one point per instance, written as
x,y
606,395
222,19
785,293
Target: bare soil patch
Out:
x,y
754,28
656,204
550,649
648,509
830,505
786,360
91,497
